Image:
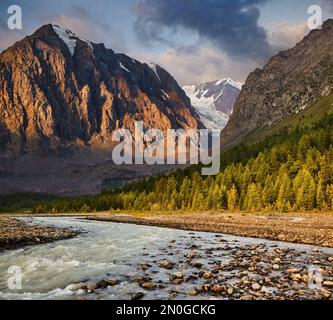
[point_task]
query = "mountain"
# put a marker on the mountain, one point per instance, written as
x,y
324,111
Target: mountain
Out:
x,y
290,82
61,93
214,101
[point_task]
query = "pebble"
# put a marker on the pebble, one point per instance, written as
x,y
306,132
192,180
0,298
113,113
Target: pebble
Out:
x,y
328,284
325,293
276,267
296,277
256,287
178,275
149,285
192,293
217,289
197,265
191,255
207,275
166,264
138,296
293,270
230,291
177,281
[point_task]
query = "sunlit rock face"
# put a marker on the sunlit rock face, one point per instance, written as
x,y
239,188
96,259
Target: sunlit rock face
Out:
x,y
290,82
59,93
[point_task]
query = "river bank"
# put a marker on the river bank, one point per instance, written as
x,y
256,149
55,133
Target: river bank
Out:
x,y
16,234
303,228
126,261
306,228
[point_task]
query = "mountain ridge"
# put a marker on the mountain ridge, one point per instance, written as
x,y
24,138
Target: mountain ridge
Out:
x,y
290,82
61,93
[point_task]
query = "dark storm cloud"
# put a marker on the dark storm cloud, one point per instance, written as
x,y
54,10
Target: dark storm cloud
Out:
x,y
328,4
232,25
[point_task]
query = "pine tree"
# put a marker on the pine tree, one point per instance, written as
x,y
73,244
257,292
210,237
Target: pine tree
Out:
x,y
268,194
305,190
253,198
232,199
320,198
285,194
325,170
329,195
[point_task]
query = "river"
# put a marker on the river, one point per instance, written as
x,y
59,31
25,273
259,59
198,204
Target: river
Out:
x,y
119,251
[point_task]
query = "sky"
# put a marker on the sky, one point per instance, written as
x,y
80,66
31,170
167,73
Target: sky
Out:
x,y
195,40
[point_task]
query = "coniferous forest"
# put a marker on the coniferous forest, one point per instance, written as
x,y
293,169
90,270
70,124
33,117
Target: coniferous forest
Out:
x,y
289,171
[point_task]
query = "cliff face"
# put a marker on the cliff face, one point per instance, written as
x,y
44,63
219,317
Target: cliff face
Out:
x,y
59,92
291,81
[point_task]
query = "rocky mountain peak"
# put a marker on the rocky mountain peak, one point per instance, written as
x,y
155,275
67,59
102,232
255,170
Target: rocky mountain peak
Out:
x,y
289,83
60,92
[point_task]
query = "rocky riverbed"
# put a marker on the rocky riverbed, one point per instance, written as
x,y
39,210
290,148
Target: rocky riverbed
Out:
x,y
223,269
17,234
122,261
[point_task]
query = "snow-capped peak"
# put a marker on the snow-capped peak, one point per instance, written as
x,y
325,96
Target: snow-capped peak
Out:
x,y
228,81
69,38
214,101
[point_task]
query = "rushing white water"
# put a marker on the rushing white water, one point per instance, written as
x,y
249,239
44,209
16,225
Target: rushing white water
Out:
x,y
103,250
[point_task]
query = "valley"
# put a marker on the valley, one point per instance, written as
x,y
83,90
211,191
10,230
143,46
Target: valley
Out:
x,y
82,226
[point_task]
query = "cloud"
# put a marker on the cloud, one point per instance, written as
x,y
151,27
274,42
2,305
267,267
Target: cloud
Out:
x,y
79,20
231,25
327,4
286,35
199,64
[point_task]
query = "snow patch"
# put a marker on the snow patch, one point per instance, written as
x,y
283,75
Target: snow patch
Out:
x,y
165,95
69,38
123,67
228,81
154,68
